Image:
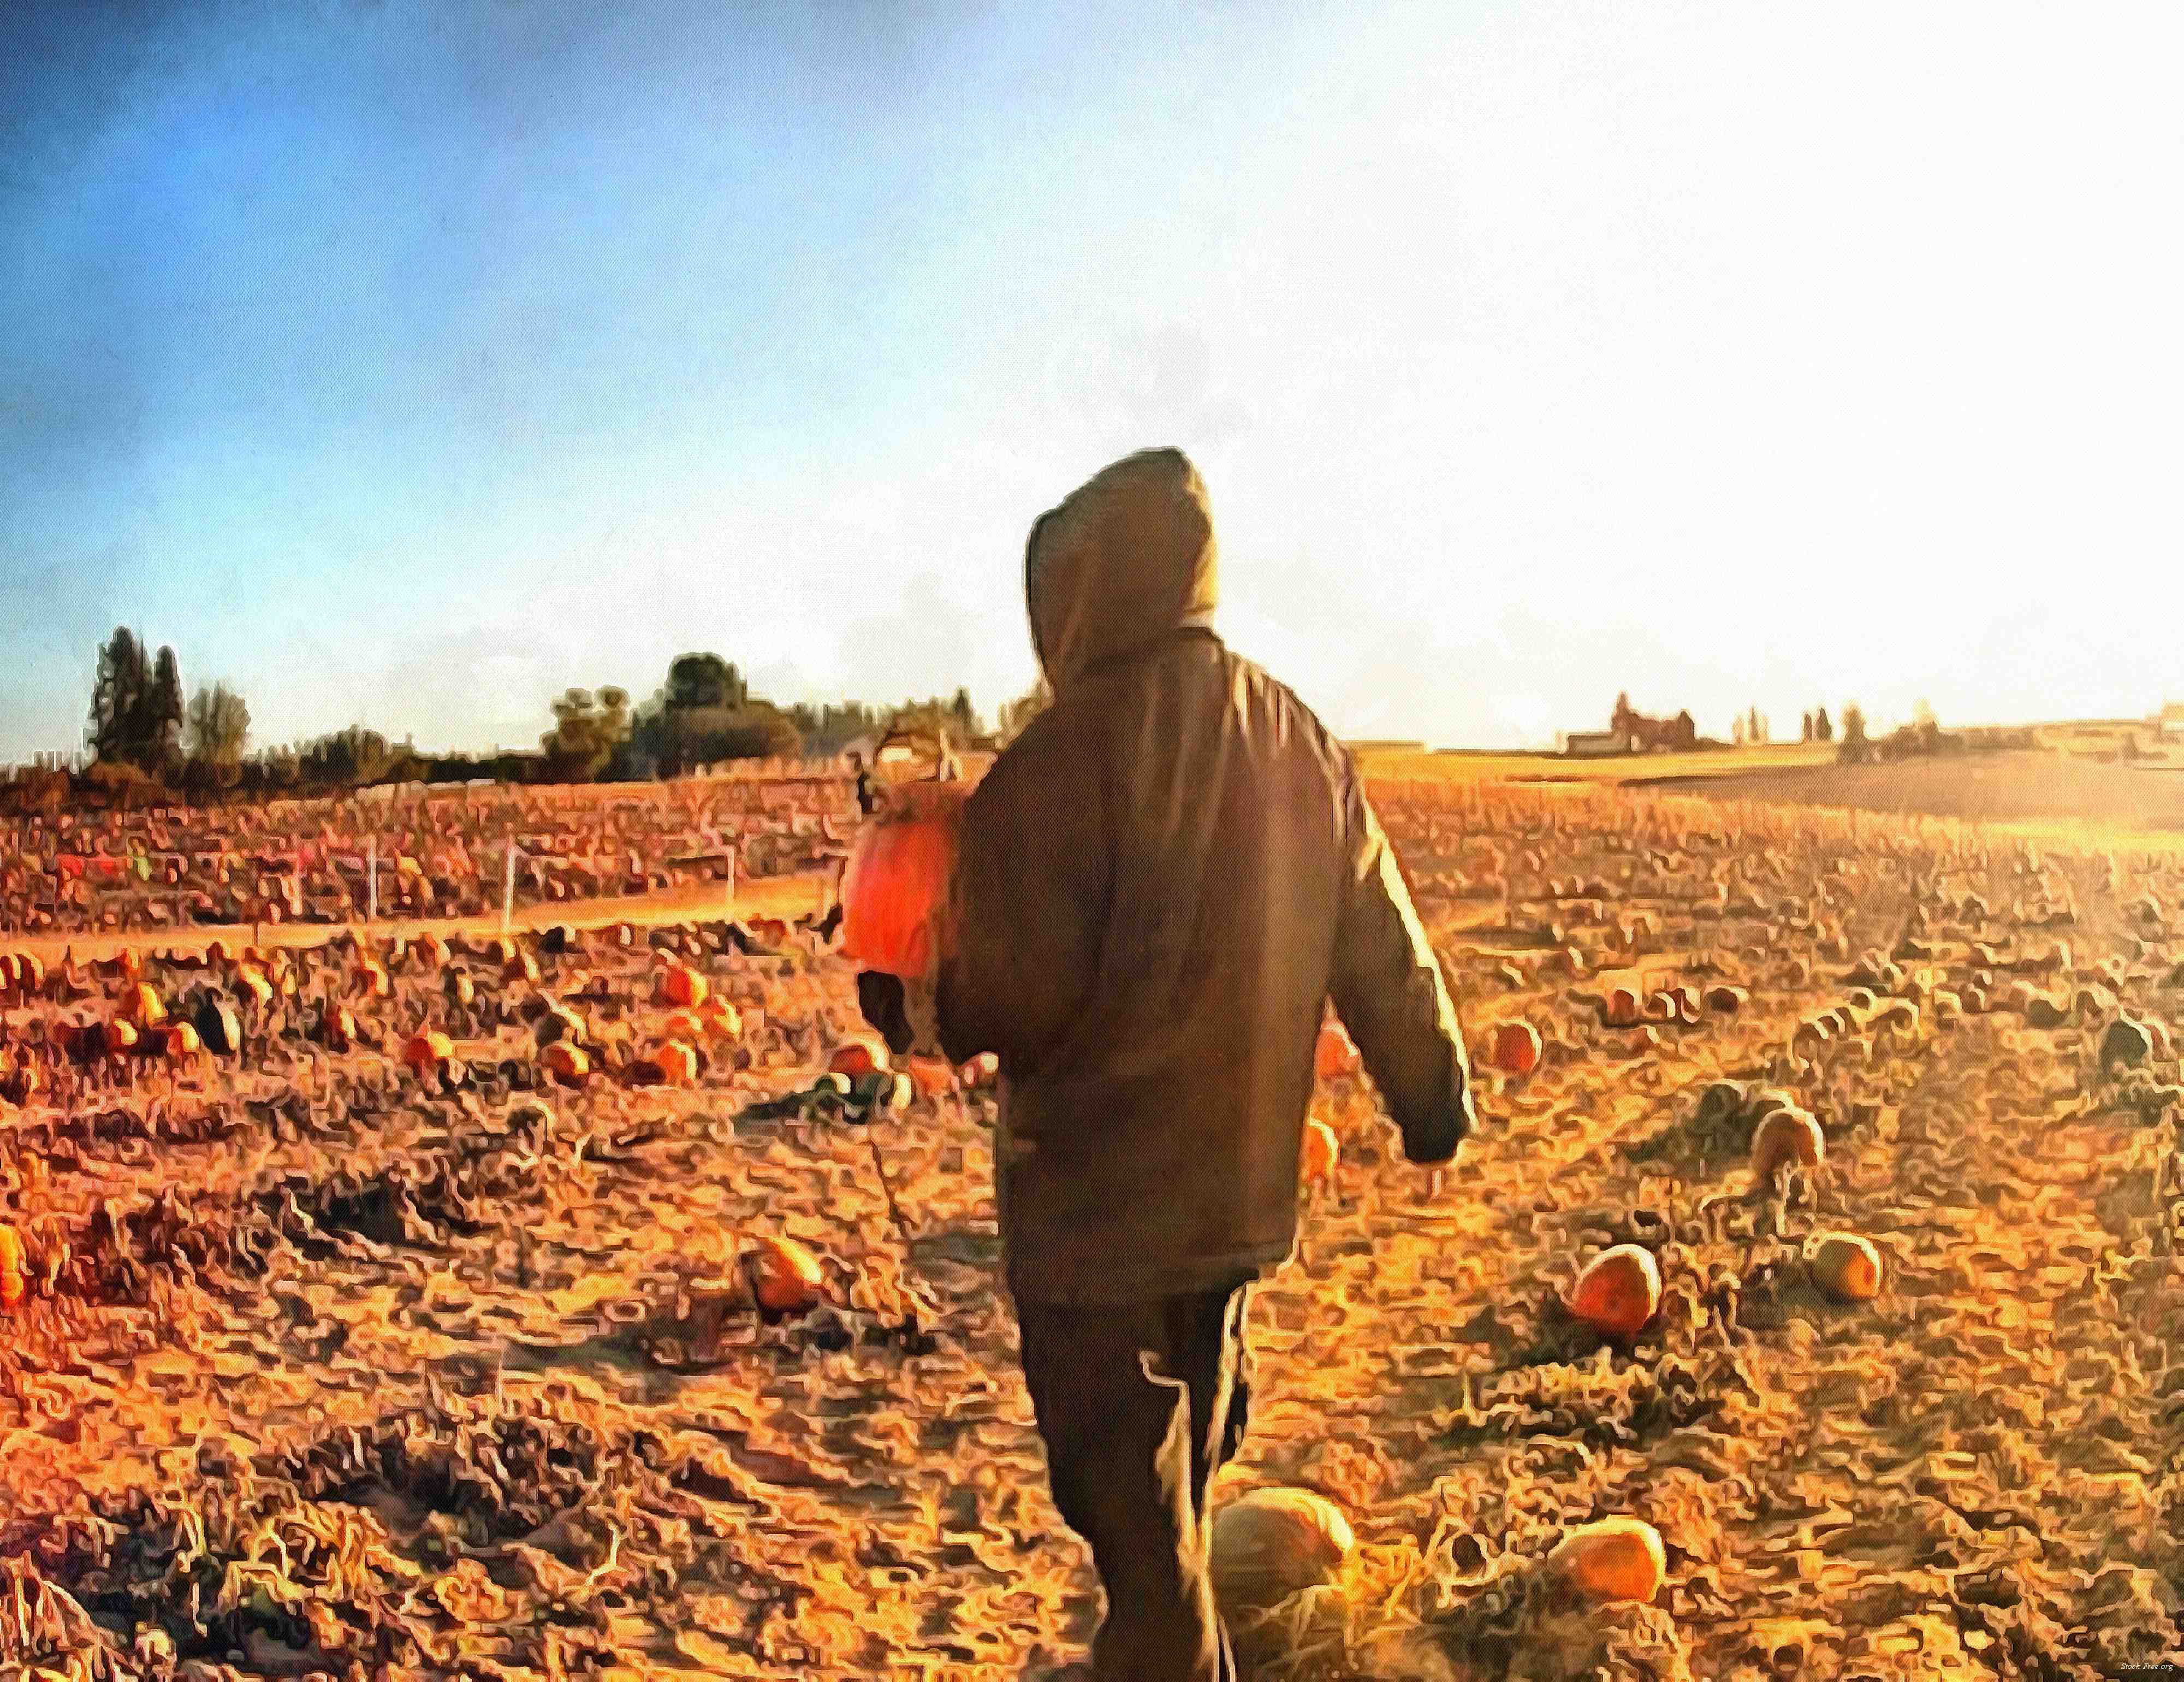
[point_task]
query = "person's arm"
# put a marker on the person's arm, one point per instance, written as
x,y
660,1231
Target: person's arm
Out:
x,y
1388,991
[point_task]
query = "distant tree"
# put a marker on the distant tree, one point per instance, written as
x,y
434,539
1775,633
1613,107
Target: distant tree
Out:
x,y
347,758
1741,729
161,727
219,726
1822,730
587,730
118,700
1015,716
703,681
1805,729
969,724
1755,728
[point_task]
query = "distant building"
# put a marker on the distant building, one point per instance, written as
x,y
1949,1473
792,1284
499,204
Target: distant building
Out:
x,y
2169,720
1594,745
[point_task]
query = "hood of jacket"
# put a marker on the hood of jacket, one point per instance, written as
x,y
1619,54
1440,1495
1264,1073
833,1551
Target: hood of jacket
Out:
x,y
1124,559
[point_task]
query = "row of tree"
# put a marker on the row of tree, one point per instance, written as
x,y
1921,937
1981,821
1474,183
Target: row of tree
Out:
x,y
703,715
138,718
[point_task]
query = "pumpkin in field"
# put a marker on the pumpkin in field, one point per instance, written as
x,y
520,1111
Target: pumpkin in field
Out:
x,y
337,1027
430,1049
431,951
12,1282
1787,1139
220,1028
1317,1153
1845,1266
371,978
122,1037
142,1005
859,1056
677,1062
182,1043
558,1021
717,1019
981,1072
521,967
1623,1008
1617,1559
683,1025
1619,1290
251,987
895,885
1726,998
1274,1543
932,1077
1336,1055
566,1063
681,985
785,1277
1514,1049
29,972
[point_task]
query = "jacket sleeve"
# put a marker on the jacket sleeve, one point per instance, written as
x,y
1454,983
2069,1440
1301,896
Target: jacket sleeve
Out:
x,y
1388,992
1026,908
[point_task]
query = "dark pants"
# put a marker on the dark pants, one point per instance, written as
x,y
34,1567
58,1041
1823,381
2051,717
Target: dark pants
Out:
x,y
1139,1406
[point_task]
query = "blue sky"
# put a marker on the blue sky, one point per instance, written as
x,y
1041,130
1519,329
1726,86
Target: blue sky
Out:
x,y
408,363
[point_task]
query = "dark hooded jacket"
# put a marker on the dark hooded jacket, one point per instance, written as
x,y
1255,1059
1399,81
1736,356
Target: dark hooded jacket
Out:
x,y
1159,884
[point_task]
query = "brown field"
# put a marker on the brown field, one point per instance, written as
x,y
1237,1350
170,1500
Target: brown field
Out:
x,y
326,1366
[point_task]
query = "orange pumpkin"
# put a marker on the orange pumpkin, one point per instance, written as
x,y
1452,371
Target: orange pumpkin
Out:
x,y
680,984
1336,1054
371,975
1623,1008
252,986
932,1077
141,1005
340,1028
567,1064
1787,1139
182,1043
785,1276
428,1050
30,971
859,1056
12,1285
1317,1153
720,1020
120,1036
982,1071
1515,1048
1619,1291
896,882
1617,1559
677,1062
684,1025
521,967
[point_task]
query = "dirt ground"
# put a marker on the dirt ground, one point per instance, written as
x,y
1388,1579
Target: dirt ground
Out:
x,y
2006,788
327,1367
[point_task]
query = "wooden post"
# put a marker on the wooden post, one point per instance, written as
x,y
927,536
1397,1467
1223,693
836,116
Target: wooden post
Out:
x,y
508,887
371,881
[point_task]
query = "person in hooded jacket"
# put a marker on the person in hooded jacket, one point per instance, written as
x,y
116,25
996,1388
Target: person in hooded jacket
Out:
x,y
1159,886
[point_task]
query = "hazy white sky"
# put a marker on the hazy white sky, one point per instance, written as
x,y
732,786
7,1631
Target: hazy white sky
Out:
x,y
409,363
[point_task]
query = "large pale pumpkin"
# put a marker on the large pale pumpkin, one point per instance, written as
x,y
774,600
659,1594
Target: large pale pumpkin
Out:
x,y
1787,1139
895,886
1271,1544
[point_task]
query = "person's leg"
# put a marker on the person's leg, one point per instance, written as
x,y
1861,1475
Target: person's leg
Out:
x,y
1116,1413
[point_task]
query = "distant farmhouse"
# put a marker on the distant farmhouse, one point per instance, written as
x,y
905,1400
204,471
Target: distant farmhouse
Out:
x,y
1631,731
